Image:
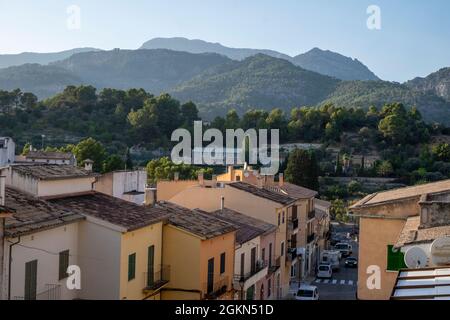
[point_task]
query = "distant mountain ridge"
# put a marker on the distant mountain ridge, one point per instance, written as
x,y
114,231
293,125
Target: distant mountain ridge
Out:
x,y
324,62
438,83
334,64
9,60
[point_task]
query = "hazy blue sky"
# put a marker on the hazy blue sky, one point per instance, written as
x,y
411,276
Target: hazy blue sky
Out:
x,y
414,39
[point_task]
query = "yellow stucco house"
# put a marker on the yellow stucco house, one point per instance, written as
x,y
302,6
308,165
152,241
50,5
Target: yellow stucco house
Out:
x,y
200,251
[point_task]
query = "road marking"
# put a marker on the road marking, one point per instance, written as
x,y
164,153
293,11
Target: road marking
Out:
x,y
334,281
326,281
350,282
342,281
317,281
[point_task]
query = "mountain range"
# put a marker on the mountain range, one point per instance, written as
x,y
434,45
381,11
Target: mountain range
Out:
x,y
218,78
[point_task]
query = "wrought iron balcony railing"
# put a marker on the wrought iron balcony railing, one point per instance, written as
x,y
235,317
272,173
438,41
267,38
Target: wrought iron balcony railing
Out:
x,y
157,279
216,289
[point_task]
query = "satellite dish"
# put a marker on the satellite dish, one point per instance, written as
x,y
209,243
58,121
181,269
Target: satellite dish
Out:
x,y
440,251
416,258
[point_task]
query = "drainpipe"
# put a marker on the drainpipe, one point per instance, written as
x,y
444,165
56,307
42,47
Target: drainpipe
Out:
x,y
10,265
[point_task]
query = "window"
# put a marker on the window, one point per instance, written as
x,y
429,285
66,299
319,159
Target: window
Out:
x,y
279,217
282,249
131,266
284,216
242,265
222,263
30,280
63,264
269,288
263,254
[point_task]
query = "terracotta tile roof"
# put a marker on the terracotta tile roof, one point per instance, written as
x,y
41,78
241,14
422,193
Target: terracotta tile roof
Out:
x,y
266,193
413,234
51,171
49,155
113,210
198,222
248,227
403,193
298,192
32,215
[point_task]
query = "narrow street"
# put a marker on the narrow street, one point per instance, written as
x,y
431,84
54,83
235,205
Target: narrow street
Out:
x,y
343,284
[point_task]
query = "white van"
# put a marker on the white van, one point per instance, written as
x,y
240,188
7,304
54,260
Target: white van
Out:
x,y
324,271
331,257
344,248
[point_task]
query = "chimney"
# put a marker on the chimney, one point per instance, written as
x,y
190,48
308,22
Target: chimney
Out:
x,y
281,179
88,164
176,176
150,197
201,180
222,203
31,147
260,182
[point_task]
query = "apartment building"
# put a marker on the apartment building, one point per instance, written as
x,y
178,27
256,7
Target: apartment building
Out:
x,y
200,250
127,185
254,267
267,204
390,223
7,151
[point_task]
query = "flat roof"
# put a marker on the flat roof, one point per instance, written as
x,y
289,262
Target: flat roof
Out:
x,y
423,284
403,193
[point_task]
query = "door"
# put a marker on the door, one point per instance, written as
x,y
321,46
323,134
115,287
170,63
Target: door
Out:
x,y
253,260
151,266
210,284
30,280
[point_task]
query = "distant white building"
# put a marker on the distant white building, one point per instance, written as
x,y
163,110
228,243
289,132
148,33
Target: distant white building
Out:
x,y
125,185
7,151
50,157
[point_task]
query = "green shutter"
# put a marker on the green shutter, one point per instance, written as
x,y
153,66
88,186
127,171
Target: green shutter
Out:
x,y
131,266
30,280
63,264
151,266
395,259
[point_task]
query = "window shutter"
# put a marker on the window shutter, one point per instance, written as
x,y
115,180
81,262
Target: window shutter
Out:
x,y
131,266
63,264
30,280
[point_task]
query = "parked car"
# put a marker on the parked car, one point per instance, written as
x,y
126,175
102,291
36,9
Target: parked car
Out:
x,y
344,248
325,271
306,292
351,262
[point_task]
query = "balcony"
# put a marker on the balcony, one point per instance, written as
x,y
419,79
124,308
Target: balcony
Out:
x,y
293,225
311,214
258,272
311,238
216,289
291,255
156,280
51,292
274,265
